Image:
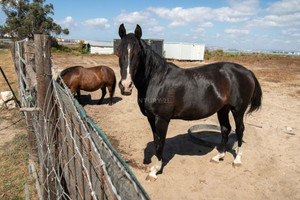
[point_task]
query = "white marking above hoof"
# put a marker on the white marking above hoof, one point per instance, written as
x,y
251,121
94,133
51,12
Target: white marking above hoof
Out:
x,y
237,164
151,178
238,159
216,158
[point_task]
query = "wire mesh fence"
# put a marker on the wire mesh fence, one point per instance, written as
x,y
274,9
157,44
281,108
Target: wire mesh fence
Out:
x,y
76,159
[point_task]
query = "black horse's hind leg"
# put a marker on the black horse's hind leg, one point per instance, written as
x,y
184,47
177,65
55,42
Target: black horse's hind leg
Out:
x,y
225,130
103,94
159,127
239,121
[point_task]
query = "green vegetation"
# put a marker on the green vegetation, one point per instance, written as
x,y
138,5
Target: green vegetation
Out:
x,y
219,53
26,18
4,45
75,49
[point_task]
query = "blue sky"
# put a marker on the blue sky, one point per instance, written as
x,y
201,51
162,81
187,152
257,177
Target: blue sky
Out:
x,y
244,24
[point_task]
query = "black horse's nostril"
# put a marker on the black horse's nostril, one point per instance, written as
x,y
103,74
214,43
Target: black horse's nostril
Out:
x,y
121,86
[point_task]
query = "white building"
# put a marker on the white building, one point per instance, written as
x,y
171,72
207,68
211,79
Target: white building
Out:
x,y
100,47
184,51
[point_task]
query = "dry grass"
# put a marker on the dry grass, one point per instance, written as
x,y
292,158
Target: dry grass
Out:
x,y
7,65
13,158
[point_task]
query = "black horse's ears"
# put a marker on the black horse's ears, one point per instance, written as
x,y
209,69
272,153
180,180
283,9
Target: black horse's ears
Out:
x,y
122,31
138,32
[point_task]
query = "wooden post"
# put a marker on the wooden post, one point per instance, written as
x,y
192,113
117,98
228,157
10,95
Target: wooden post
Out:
x,y
44,75
31,80
14,54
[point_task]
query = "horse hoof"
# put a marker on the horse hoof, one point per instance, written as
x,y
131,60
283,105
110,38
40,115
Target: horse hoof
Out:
x,y
150,178
214,161
237,165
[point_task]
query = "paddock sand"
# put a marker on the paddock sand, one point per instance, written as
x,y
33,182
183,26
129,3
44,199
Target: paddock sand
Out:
x,y
271,165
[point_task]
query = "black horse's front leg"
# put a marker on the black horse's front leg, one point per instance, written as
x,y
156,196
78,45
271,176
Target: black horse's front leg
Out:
x,y
159,128
78,96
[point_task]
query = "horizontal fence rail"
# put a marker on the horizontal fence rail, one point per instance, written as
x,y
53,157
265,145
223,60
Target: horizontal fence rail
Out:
x,y
76,159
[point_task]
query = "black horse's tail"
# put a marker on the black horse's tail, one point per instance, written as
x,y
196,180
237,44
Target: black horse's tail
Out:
x,y
256,99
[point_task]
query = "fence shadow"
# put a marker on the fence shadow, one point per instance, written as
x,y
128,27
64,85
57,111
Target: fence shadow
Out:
x,y
180,145
86,99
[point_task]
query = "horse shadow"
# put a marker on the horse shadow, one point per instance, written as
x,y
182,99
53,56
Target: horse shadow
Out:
x,y
184,144
86,99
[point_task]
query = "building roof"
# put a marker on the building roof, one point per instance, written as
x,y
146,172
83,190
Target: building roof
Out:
x,y
99,43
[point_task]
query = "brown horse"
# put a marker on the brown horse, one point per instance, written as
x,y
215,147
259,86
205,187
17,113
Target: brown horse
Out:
x,y
89,79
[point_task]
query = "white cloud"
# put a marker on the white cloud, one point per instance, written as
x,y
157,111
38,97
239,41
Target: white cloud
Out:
x,y
133,18
236,31
97,23
181,17
207,25
284,7
226,14
238,11
275,21
156,30
201,28
291,32
68,22
249,7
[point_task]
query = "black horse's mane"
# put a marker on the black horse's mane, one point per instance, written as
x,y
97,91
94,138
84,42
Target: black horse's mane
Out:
x,y
65,71
153,61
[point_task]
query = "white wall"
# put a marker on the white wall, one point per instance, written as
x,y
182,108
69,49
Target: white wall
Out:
x,y
184,51
102,50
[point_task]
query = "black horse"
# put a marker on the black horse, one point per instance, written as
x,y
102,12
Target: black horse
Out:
x,y
166,91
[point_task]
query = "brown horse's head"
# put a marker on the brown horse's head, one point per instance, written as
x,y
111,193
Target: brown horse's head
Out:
x,y
129,53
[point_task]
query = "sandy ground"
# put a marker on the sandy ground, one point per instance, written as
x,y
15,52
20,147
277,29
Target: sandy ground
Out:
x,y
271,165
270,160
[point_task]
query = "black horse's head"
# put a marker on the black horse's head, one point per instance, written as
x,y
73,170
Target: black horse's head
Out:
x,y
129,52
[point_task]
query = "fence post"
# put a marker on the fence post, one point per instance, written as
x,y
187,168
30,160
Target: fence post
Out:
x,y
44,75
14,53
30,79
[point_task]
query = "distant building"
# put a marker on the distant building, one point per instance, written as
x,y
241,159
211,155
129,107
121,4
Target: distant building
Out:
x,y
100,47
67,40
184,51
155,44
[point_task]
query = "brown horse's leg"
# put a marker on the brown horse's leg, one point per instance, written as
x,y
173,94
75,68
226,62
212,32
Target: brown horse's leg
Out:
x,y
103,94
111,94
111,88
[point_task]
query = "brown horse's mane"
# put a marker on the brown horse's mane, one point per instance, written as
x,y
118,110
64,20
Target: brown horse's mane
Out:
x,y
65,71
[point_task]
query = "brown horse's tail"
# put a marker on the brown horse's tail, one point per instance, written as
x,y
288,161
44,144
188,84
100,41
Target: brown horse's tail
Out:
x,y
255,103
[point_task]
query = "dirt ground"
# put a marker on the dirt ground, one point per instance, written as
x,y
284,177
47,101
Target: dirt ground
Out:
x,y
271,165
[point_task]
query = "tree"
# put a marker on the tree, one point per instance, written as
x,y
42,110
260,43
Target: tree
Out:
x,y
26,18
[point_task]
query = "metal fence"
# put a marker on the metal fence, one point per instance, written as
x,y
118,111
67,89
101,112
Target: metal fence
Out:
x,y
76,159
